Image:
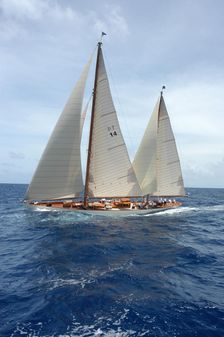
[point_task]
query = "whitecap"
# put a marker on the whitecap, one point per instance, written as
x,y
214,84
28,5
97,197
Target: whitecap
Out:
x,y
173,211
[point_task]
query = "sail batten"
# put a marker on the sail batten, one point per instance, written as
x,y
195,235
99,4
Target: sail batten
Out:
x,y
59,172
157,164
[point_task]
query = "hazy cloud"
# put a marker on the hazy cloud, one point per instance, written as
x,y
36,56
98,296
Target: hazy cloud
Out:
x,y
16,17
16,155
115,21
35,10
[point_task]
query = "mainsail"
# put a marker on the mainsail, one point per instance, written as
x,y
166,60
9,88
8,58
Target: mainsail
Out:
x,y
157,164
59,173
110,170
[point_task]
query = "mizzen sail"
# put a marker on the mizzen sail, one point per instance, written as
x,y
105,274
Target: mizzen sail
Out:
x,y
157,164
59,173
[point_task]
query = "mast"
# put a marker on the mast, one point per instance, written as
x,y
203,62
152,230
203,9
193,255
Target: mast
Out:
x,y
158,116
161,94
157,131
86,192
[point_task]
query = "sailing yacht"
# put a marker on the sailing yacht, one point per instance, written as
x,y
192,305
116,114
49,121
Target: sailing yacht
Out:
x,y
111,183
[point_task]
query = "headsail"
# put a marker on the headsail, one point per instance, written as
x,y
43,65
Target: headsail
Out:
x,y
157,164
111,172
59,174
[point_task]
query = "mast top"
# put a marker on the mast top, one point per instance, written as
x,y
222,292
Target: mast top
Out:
x,y
163,88
101,38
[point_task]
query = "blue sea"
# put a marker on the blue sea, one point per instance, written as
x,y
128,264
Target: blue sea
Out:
x,y
68,274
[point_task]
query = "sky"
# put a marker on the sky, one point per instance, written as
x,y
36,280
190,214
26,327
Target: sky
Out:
x,y
44,45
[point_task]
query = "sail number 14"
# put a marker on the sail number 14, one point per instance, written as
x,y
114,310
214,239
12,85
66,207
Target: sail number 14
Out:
x,y
112,131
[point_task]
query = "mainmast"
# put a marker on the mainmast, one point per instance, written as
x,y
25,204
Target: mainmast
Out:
x,y
161,94
86,192
158,117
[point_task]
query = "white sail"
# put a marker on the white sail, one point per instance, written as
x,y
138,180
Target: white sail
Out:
x,y
83,115
111,172
59,174
156,163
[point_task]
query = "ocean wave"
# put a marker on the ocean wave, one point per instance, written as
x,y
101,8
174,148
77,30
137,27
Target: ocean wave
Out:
x,y
93,276
187,209
174,211
70,274
174,320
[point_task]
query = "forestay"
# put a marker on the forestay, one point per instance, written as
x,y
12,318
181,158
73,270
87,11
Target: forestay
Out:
x,y
59,174
156,163
111,172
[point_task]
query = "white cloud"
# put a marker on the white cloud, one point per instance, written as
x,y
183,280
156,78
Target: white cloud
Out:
x,y
9,30
116,20
35,10
16,155
211,175
17,15
197,107
23,9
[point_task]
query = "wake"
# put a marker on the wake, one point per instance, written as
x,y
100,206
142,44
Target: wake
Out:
x,y
188,209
